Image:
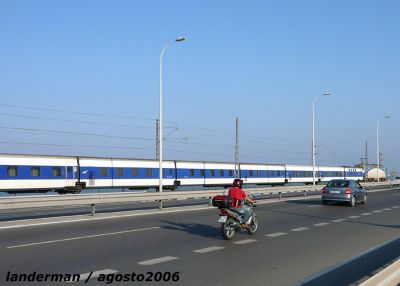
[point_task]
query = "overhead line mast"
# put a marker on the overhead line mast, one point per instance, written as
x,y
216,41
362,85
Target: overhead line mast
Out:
x,y
237,171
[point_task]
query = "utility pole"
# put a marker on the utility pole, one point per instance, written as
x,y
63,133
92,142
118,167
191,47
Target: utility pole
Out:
x,y
157,139
237,171
364,160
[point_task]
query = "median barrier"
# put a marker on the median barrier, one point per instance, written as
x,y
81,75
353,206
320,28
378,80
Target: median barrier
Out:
x,y
18,202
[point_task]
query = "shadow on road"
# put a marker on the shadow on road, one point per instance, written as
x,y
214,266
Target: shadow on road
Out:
x,y
194,229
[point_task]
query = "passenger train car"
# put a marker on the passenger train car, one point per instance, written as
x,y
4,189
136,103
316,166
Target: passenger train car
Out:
x,y
67,174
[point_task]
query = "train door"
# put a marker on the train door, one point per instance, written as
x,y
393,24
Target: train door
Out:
x,y
70,175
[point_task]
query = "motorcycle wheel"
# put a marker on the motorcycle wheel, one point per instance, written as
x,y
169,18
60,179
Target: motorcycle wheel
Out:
x,y
253,226
228,229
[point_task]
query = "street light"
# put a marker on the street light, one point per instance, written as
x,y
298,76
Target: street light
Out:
x,y
377,146
313,133
179,39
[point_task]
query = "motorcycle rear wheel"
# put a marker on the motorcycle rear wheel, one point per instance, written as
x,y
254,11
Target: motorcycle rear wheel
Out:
x,y
228,229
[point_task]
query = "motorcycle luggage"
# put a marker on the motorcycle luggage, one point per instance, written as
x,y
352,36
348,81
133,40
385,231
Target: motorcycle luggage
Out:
x,y
220,201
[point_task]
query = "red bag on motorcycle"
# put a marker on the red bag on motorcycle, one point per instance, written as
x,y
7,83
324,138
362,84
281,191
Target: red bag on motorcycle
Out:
x,y
221,202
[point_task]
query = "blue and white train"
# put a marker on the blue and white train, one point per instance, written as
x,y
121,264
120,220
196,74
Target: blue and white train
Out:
x,y
67,174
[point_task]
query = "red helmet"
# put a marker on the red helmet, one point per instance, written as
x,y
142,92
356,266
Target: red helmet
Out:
x,y
237,183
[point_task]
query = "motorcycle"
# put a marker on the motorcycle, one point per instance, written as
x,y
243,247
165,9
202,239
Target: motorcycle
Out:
x,y
231,221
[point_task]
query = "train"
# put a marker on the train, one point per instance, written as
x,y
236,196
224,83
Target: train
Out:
x,y
71,174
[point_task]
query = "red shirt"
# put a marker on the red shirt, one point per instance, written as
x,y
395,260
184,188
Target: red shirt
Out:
x,y
236,194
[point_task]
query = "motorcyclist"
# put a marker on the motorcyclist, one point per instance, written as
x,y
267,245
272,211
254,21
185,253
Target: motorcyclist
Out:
x,y
238,196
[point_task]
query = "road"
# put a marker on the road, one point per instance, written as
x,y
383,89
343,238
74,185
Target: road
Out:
x,y
299,242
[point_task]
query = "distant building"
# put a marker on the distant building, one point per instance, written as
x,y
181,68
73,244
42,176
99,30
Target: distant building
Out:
x,y
367,166
370,172
372,175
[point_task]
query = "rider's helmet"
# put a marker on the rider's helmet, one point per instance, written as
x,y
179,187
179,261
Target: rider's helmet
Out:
x,y
237,183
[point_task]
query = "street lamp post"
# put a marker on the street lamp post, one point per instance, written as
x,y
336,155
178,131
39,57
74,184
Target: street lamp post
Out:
x,y
160,136
377,146
313,133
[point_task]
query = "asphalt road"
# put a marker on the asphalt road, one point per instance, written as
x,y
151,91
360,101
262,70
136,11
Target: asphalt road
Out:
x,y
298,242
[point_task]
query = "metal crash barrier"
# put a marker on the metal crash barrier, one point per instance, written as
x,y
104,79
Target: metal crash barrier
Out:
x,y
92,200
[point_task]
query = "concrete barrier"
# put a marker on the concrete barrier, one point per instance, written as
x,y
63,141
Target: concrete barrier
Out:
x,y
390,276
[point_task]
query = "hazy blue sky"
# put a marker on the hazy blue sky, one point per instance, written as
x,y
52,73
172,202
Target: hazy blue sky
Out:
x,y
82,78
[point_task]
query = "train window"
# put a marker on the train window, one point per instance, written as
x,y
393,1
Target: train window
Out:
x,y
258,173
251,173
221,173
69,169
191,172
56,171
134,172
35,171
230,173
12,171
103,172
212,173
278,173
119,172
149,172
202,173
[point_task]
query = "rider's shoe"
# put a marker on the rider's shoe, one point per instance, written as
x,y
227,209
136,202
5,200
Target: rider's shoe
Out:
x,y
244,226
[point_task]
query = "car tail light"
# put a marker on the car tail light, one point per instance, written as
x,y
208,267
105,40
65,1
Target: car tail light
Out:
x,y
323,190
348,191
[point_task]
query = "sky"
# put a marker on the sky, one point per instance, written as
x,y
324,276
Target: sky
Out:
x,y
82,78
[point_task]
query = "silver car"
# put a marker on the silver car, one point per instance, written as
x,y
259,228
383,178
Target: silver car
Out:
x,y
348,191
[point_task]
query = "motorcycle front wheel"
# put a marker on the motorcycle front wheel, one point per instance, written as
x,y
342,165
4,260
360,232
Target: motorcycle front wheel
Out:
x,y
253,226
228,229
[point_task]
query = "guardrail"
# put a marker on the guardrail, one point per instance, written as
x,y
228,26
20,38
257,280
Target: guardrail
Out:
x,y
104,198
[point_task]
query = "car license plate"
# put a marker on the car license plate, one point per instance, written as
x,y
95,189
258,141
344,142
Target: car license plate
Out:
x,y
222,219
335,192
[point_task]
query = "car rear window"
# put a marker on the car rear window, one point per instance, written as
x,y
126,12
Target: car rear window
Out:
x,y
338,184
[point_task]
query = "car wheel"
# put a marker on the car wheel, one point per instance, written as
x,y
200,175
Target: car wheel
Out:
x,y
364,201
352,202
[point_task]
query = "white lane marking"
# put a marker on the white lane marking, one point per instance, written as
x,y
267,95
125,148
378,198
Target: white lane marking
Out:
x,y
157,260
83,237
354,216
387,209
95,274
276,234
377,211
314,206
208,249
395,207
366,214
321,224
245,241
299,229
339,220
